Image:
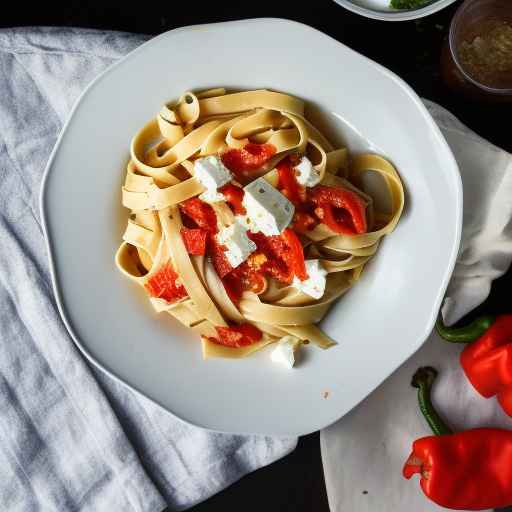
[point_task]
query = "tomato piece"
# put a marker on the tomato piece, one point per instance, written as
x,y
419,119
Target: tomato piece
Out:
x,y
304,222
237,336
294,256
234,196
201,213
194,240
250,158
165,285
288,183
219,260
340,209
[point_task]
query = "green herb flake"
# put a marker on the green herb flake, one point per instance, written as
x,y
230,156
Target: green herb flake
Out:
x,y
408,4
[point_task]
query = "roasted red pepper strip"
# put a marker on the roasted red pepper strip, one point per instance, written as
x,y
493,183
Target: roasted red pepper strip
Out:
x,y
201,213
340,209
469,470
284,258
304,222
294,256
487,361
233,287
284,255
237,336
194,240
234,196
273,247
288,183
243,162
245,277
338,221
255,282
219,260
165,285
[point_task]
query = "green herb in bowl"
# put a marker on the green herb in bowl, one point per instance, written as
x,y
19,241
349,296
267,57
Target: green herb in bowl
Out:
x,y
408,4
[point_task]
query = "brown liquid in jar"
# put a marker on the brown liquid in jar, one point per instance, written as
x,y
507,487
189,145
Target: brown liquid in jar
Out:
x,y
486,54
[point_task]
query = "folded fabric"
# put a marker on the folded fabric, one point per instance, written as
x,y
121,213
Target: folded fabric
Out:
x,y
71,438
364,452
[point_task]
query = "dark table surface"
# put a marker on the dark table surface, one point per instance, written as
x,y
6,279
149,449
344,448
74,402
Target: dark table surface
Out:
x,y
411,49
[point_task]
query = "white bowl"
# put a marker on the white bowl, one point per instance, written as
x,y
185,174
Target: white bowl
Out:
x,y
379,323
380,10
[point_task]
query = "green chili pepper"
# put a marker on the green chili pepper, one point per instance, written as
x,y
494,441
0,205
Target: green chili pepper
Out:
x,y
423,379
465,334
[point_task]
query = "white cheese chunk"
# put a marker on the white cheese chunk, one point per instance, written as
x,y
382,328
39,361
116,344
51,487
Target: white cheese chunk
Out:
x,y
314,285
247,223
306,174
268,209
211,172
238,245
285,350
212,196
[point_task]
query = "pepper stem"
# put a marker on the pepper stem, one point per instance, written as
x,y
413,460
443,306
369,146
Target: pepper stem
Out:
x,y
423,379
465,334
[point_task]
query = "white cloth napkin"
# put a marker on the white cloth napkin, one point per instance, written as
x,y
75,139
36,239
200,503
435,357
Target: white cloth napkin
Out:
x,y
364,452
71,439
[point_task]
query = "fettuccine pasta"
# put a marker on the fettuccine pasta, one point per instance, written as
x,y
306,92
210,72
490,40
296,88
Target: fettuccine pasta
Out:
x,y
245,223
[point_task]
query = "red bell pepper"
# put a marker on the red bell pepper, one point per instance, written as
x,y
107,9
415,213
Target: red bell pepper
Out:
x,y
194,240
469,470
294,256
234,196
304,222
217,254
237,336
288,183
341,210
284,255
487,360
165,284
246,277
202,214
243,162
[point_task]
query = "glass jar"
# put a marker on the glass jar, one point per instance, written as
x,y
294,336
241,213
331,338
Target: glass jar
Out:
x,y
477,57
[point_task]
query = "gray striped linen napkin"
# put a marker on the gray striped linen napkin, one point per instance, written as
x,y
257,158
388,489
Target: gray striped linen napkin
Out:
x,y
70,437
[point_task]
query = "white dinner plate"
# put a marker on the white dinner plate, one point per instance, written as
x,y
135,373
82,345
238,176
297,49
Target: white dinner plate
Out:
x,y
379,323
380,9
